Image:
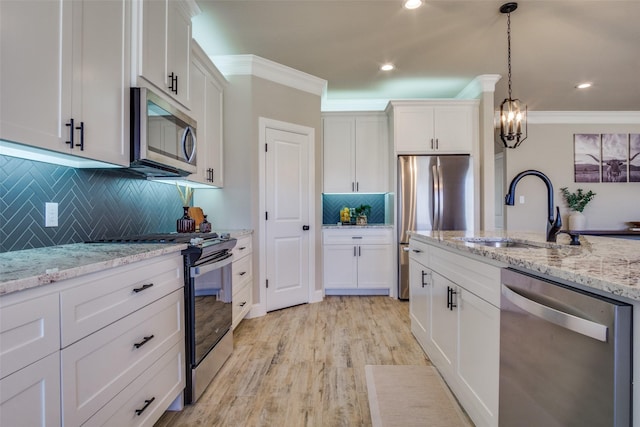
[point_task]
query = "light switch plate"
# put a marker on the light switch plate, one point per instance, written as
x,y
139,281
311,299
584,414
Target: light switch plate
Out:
x,y
50,214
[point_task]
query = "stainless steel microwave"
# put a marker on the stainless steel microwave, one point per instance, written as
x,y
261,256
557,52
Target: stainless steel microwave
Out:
x,y
163,138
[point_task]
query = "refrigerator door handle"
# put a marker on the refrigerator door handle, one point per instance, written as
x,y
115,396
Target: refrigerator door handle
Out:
x,y
440,197
436,198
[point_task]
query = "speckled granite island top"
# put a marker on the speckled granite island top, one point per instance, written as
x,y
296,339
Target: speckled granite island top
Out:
x,y
20,270
607,264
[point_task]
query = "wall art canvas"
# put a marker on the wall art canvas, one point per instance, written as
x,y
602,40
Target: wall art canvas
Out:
x,y
586,160
615,154
634,157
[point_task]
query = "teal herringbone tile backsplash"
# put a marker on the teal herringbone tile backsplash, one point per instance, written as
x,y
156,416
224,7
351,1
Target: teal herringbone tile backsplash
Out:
x,y
92,204
332,203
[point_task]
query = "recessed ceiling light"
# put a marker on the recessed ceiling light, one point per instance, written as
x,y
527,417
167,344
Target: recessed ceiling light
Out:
x,y
412,4
387,67
584,85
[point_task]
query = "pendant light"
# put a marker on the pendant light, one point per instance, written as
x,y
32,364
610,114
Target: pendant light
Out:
x,y
513,114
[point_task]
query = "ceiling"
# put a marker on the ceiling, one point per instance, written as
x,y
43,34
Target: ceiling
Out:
x,y
441,47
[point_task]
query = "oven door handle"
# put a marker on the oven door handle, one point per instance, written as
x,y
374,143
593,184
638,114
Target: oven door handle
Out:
x,y
207,267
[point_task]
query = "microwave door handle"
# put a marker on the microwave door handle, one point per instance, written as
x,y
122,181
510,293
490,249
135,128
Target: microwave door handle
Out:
x,y
185,135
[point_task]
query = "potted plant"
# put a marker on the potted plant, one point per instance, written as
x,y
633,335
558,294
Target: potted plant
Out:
x,y
577,202
362,212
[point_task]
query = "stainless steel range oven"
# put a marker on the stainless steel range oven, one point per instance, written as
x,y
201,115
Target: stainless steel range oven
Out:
x,y
208,312
208,309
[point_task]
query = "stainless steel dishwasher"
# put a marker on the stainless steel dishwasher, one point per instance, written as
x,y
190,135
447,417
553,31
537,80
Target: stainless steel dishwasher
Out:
x,y
565,355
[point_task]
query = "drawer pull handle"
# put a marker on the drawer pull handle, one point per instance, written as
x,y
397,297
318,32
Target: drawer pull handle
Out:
x,y
147,402
418,251
356,237
242,248
142,288
143,342
242,304
242,273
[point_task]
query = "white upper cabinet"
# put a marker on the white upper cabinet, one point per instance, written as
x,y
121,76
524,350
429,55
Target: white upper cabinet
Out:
x,y
434,127
64,84
207,86
355,153
163,31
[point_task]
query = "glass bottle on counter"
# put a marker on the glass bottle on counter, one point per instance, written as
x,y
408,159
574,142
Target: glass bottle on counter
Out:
x,y
205,226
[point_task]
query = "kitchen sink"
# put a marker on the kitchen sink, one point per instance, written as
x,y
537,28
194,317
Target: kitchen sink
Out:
x,y
503,243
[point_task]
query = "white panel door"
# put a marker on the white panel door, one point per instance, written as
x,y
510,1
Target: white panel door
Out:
x,y
340,266
374,268
287,206
339,154
419,287
444,324
372,158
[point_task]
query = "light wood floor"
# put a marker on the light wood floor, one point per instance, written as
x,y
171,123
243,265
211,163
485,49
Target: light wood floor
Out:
x,y
304,366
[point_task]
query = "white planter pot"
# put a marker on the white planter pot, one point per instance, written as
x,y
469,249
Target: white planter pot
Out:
x,y
577,221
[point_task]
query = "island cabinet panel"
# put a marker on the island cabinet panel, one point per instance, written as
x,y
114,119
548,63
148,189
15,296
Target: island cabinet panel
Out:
x,y
456,319
31,396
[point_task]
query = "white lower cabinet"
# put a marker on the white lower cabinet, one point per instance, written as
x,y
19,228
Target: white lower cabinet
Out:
x,y
358,261
145,399
89,349
98,367
242,280
456,320
31,396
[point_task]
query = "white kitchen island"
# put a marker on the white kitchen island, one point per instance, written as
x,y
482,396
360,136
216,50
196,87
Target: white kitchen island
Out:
x,y
464,343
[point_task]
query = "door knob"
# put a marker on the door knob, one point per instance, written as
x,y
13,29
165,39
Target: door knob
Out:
x,y
305,227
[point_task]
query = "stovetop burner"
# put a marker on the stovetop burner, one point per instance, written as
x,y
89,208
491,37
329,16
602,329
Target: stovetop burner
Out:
x,y
162,238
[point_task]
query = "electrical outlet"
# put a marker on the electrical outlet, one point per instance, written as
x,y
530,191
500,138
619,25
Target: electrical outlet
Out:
x,y
50,214
522,200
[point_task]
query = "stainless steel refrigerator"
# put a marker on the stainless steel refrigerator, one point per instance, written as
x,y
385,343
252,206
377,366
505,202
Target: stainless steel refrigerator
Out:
x,y
434,193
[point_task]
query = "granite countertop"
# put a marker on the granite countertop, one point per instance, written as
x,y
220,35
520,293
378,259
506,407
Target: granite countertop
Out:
x,y
607,264
330,226
29,268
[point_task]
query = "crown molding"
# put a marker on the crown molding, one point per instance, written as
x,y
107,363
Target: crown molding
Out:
x,y
341,105
583,117
481,84
245,65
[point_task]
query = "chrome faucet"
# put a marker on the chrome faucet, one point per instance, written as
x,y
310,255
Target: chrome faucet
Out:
x,y
553,224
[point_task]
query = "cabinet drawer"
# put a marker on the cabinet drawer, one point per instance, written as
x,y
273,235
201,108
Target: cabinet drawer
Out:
x,y
29,331
103,298
241,304
364,236
419,252
478,277
242,271
242,247
99,366
31,396
159,384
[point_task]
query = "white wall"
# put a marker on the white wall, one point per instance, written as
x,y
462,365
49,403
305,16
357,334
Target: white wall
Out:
x,y
549,149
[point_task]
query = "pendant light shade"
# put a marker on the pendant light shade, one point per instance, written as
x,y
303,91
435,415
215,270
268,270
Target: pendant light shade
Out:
x,y
513,114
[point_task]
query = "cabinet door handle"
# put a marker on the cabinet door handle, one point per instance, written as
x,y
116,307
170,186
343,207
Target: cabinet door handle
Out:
x,y
242,273
81,129
359,250
425,274
242,248
147,402
242,304
450,293
144,341
437,144
142,288
357,186
418,251
71,132
432,143
353,186
354,251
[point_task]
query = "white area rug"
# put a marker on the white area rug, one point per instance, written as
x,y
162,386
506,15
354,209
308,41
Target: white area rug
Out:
x,y
410,396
